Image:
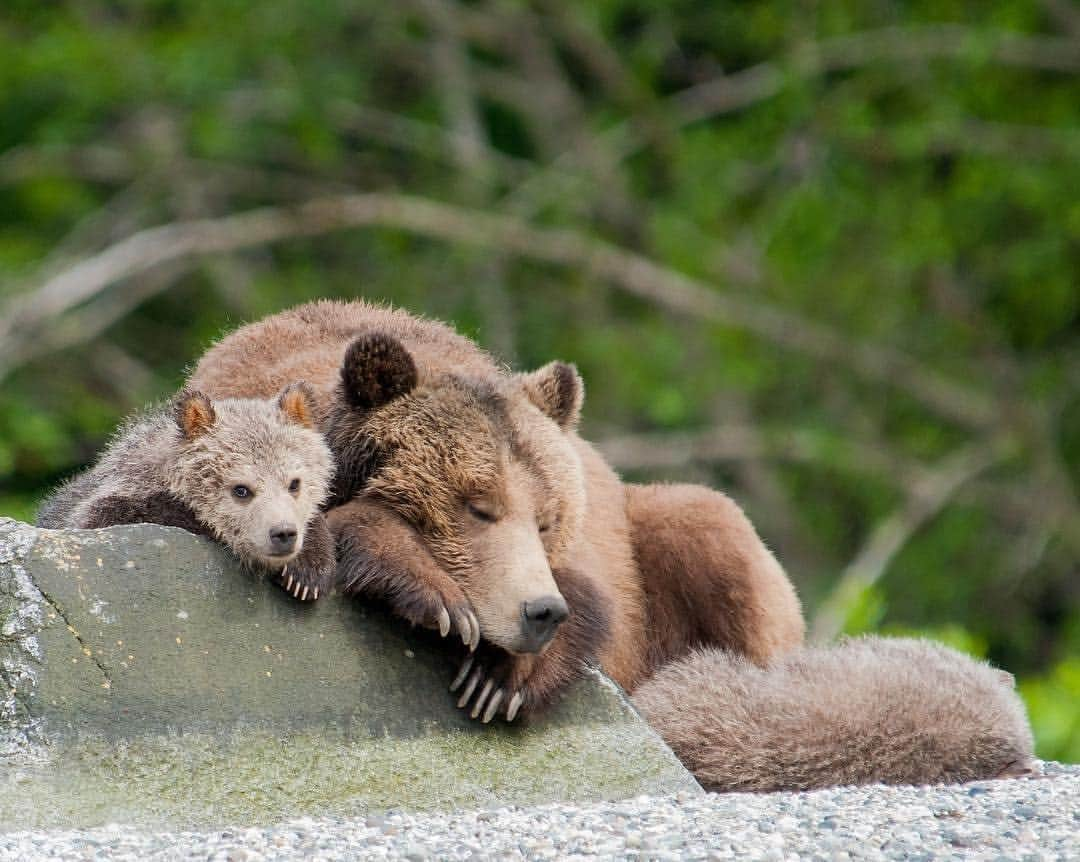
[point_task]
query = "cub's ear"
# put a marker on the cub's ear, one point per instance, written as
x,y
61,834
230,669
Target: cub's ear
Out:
x,y
377,369
194,413
558,390
297,402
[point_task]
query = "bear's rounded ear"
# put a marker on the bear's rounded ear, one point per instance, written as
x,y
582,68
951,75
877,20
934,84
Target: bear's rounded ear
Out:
x,y
297,402
377,369
194,413
558,390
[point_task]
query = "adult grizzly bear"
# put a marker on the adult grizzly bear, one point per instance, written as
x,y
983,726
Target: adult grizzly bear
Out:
x,y
467,497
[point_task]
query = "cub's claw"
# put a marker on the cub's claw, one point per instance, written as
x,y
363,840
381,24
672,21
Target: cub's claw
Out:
x,y
444,622
296,586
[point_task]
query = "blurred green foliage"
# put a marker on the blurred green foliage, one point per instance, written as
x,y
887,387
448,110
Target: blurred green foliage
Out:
x,y
902,175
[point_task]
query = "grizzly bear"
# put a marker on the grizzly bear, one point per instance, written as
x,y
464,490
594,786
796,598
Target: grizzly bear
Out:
x,y
248,473
868,710
467,500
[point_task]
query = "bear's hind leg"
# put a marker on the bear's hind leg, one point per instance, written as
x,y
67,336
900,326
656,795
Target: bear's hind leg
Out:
x,y
708,578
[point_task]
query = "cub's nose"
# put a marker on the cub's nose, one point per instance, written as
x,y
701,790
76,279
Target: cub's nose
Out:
x,y
539,620
282,538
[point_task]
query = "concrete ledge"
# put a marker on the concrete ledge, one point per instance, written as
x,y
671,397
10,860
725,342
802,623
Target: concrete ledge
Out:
x,y
147,680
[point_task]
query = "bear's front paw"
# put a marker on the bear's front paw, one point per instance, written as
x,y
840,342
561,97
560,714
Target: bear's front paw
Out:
x,y
413,587
459,617
311,572
493,682
445,610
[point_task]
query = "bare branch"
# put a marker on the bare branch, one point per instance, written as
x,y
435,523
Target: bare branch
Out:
x,y
455,86
916,44
758,83
890,536
90,321
95,163
450,66
1066,13
747,443
426,139
630,272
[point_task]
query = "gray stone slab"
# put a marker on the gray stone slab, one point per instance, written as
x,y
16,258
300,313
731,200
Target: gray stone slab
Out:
x,y
146,679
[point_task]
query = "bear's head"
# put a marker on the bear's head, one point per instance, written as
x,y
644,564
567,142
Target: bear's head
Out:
x,y
254,471
484,469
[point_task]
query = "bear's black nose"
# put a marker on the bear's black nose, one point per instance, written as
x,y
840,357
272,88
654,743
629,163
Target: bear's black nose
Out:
x,y
282,538
540,618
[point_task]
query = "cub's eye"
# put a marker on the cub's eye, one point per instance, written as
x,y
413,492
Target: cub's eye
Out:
x,y
480,513
242,492
294,486
548,526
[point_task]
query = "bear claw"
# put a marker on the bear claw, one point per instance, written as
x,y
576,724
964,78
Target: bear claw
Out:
x,y
460,678
481,698
493,705
444,622
468,627
296,587
489,698
470,687
514,706
494,689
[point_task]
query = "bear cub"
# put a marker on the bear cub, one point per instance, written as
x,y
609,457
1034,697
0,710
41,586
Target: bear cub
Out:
x,y
250,474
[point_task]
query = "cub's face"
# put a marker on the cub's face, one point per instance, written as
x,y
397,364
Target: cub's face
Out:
x,y
488,475
253,471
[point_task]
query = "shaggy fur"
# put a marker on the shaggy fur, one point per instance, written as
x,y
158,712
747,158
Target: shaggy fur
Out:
x,y
466,490
895,711
179,466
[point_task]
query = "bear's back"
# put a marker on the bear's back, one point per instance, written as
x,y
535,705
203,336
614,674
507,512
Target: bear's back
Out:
x,y
308,343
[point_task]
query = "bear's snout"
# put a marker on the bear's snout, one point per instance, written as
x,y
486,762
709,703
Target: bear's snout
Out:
x,y
282,539
539,620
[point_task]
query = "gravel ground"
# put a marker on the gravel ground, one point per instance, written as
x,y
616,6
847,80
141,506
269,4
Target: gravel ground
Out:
x,y
1031,819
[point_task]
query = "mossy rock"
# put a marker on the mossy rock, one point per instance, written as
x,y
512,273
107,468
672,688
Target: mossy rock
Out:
x,y
147,679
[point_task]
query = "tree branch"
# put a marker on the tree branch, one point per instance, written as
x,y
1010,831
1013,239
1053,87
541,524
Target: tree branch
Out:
x,y
889,537
628,271
746,443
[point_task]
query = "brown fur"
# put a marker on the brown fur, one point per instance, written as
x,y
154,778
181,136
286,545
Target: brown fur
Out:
x,y
179,466
870,710
461,481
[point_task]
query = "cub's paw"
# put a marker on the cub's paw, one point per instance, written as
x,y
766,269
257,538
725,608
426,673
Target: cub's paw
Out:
x,y
310,573
301,582
494,682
